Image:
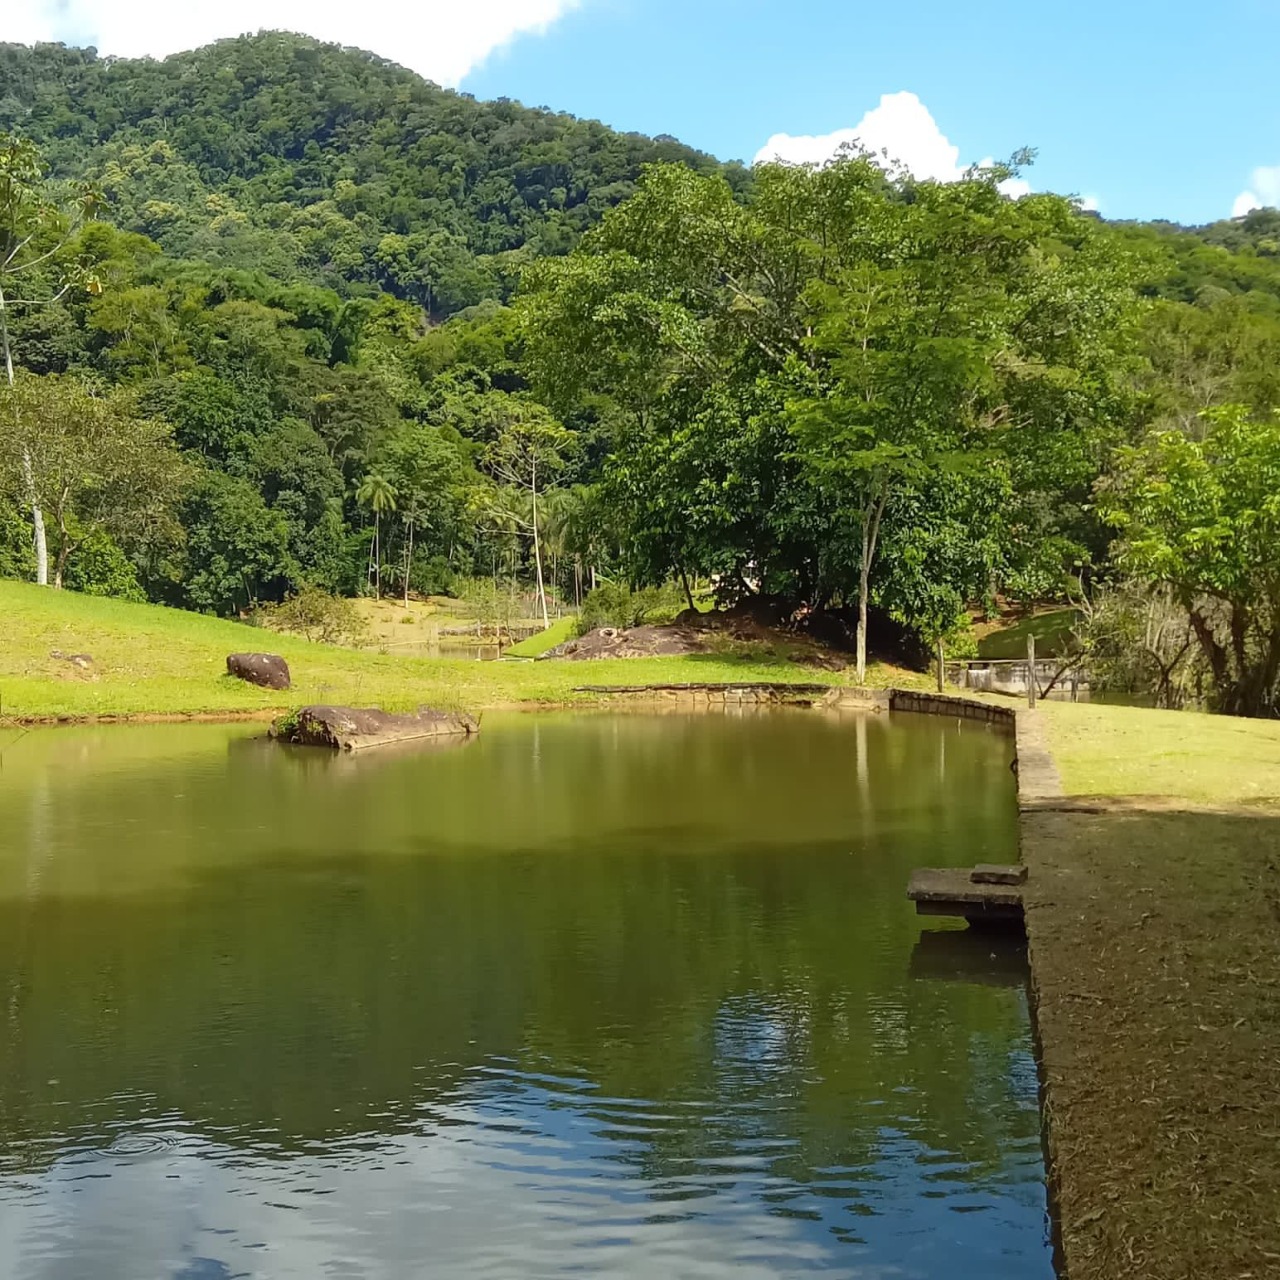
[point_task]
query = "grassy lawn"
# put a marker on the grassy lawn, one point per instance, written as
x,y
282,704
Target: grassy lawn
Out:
x,y
535,646
1131,751
1156,960
1052,631
150,660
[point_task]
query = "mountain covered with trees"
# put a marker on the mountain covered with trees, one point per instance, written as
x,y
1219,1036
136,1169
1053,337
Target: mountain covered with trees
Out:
x,y
285,315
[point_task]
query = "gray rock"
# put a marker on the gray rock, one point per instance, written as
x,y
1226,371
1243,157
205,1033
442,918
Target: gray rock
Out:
x,y
352,729
266,669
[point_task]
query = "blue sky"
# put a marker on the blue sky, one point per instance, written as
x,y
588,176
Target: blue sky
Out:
x,y
1157,110
1153,110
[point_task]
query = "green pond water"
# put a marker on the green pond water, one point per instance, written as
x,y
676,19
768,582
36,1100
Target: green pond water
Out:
x,y
602,995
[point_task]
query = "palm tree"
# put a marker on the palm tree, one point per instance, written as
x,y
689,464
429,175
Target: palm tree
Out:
x,y
377,493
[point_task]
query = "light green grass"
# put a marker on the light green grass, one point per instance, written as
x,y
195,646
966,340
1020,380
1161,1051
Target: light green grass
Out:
x,y
1052,632
150,660
535,646
1118,751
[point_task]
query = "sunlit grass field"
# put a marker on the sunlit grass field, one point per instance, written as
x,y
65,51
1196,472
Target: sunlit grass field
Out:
x,y
149,660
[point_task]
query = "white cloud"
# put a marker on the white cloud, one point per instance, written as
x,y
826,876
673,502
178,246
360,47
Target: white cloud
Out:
x,y
441,39
901,127
1090,204
1014,188
1264,191
1245,202
902,130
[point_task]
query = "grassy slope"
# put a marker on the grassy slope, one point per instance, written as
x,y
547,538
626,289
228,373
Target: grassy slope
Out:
x,y
535,646
1052,631
151,660
1155,950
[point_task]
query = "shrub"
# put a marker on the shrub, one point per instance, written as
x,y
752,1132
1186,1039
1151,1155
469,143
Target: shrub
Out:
x,y
318,616
17,552
432,576
97,567
614,604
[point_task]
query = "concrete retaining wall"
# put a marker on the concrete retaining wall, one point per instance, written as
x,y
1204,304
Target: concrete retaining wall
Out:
x,y
942,704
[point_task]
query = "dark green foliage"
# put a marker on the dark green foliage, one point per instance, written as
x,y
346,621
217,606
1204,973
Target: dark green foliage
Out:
x,y
237,552
98,567
614,604
279,153
17,554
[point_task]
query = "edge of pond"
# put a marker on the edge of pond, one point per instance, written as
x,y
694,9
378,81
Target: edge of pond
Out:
x,y
1037,782
1038,786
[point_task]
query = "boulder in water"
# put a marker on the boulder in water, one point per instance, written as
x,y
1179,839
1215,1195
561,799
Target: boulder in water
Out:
x,y
353,729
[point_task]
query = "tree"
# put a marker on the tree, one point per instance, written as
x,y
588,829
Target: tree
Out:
x,y
237,549
525,459
1203,517
90,461
789,378
425,469
377,494
35,229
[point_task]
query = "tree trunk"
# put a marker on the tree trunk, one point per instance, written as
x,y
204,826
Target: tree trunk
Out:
x,y
65,549
28,474
688,594
408,565
537,548
863,577
37,521
377,556
870,534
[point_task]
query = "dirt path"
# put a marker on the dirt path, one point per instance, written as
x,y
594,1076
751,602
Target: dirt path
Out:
x,y
1154,930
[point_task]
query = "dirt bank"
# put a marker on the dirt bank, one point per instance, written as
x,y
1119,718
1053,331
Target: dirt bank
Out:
x,y
706,633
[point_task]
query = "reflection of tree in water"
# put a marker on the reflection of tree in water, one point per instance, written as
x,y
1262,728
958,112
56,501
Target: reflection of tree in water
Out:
x,y
728,1008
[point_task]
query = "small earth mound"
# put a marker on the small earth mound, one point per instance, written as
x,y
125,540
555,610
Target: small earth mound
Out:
x,y
635,642
693,633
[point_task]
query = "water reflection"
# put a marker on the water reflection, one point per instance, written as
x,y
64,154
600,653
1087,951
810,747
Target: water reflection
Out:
x,y
623,996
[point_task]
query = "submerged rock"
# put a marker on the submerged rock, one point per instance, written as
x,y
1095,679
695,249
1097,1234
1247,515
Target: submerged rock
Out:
x,y
266,669
352,729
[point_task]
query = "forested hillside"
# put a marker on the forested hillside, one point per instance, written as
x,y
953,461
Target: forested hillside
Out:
x,y
324,164
286,315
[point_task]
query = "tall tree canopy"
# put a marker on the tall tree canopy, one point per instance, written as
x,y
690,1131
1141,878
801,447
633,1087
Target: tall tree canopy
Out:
x,y
847,361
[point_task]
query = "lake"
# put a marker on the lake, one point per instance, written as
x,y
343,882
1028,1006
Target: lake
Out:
x,y
608,995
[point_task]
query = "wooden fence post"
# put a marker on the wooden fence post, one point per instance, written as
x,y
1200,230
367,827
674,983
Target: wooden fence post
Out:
x,y
1032,690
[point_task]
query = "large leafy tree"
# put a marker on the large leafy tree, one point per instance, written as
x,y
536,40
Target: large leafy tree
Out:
x,y
37,221
426,469
787,377
90,461
1202,518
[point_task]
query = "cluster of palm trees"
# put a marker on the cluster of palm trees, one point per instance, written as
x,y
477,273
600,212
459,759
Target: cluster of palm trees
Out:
x,y
563,528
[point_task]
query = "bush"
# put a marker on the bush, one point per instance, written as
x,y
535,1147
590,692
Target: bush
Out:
x,y
432,576
960,641
17,551
97,567
614,604
488,604
318,616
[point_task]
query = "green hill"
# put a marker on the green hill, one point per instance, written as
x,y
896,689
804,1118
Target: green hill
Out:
x,y
277,152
